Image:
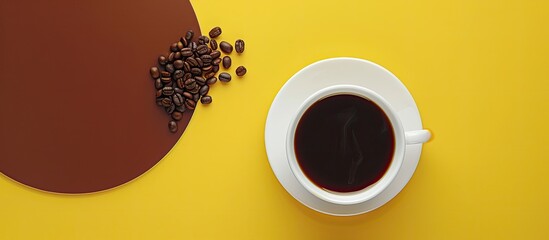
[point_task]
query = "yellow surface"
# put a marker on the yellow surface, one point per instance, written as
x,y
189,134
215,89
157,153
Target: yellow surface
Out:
x,y
478,71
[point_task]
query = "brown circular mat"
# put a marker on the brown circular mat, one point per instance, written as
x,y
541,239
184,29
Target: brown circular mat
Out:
x,y
77,105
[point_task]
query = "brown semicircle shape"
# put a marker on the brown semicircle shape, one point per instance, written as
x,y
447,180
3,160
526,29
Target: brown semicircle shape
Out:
x,y
77,104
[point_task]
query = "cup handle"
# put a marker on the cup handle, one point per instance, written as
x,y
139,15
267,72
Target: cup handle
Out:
x,y
417,136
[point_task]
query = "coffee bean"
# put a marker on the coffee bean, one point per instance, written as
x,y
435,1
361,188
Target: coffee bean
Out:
x,y
225,77
210,74
180,83
200,62
207,69
240,71
166,102
158,83
215,32
215,54
177,55
184,41
196,71
190,69
177,74
155,72
225,47
178,90
211,80
203,39
189,81
170,109
204,90
195,89
206,58
173,47
192,61
200,80
213,44
239,46
189,35
202,49
170,68
167,91
177,115
181,108
206,99
186,52
187,95
193,46
165,74
177,99
190,104
162,60
187,76
190,84
178,64
172,126
227,62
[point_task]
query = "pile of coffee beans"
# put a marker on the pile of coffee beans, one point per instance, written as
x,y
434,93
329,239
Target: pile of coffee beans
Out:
x,y
184,76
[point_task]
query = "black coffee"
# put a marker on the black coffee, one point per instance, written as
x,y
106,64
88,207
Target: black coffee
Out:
x,y
344,143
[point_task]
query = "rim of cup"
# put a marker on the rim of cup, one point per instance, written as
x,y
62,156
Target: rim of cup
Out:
x,y
348,198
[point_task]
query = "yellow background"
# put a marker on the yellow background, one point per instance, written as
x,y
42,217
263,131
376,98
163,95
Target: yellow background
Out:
x,y
478,71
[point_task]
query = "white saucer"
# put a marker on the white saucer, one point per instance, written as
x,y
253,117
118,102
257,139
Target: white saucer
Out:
x,y
318,76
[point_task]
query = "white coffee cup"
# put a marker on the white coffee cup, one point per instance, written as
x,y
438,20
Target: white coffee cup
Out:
x,y
402,139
